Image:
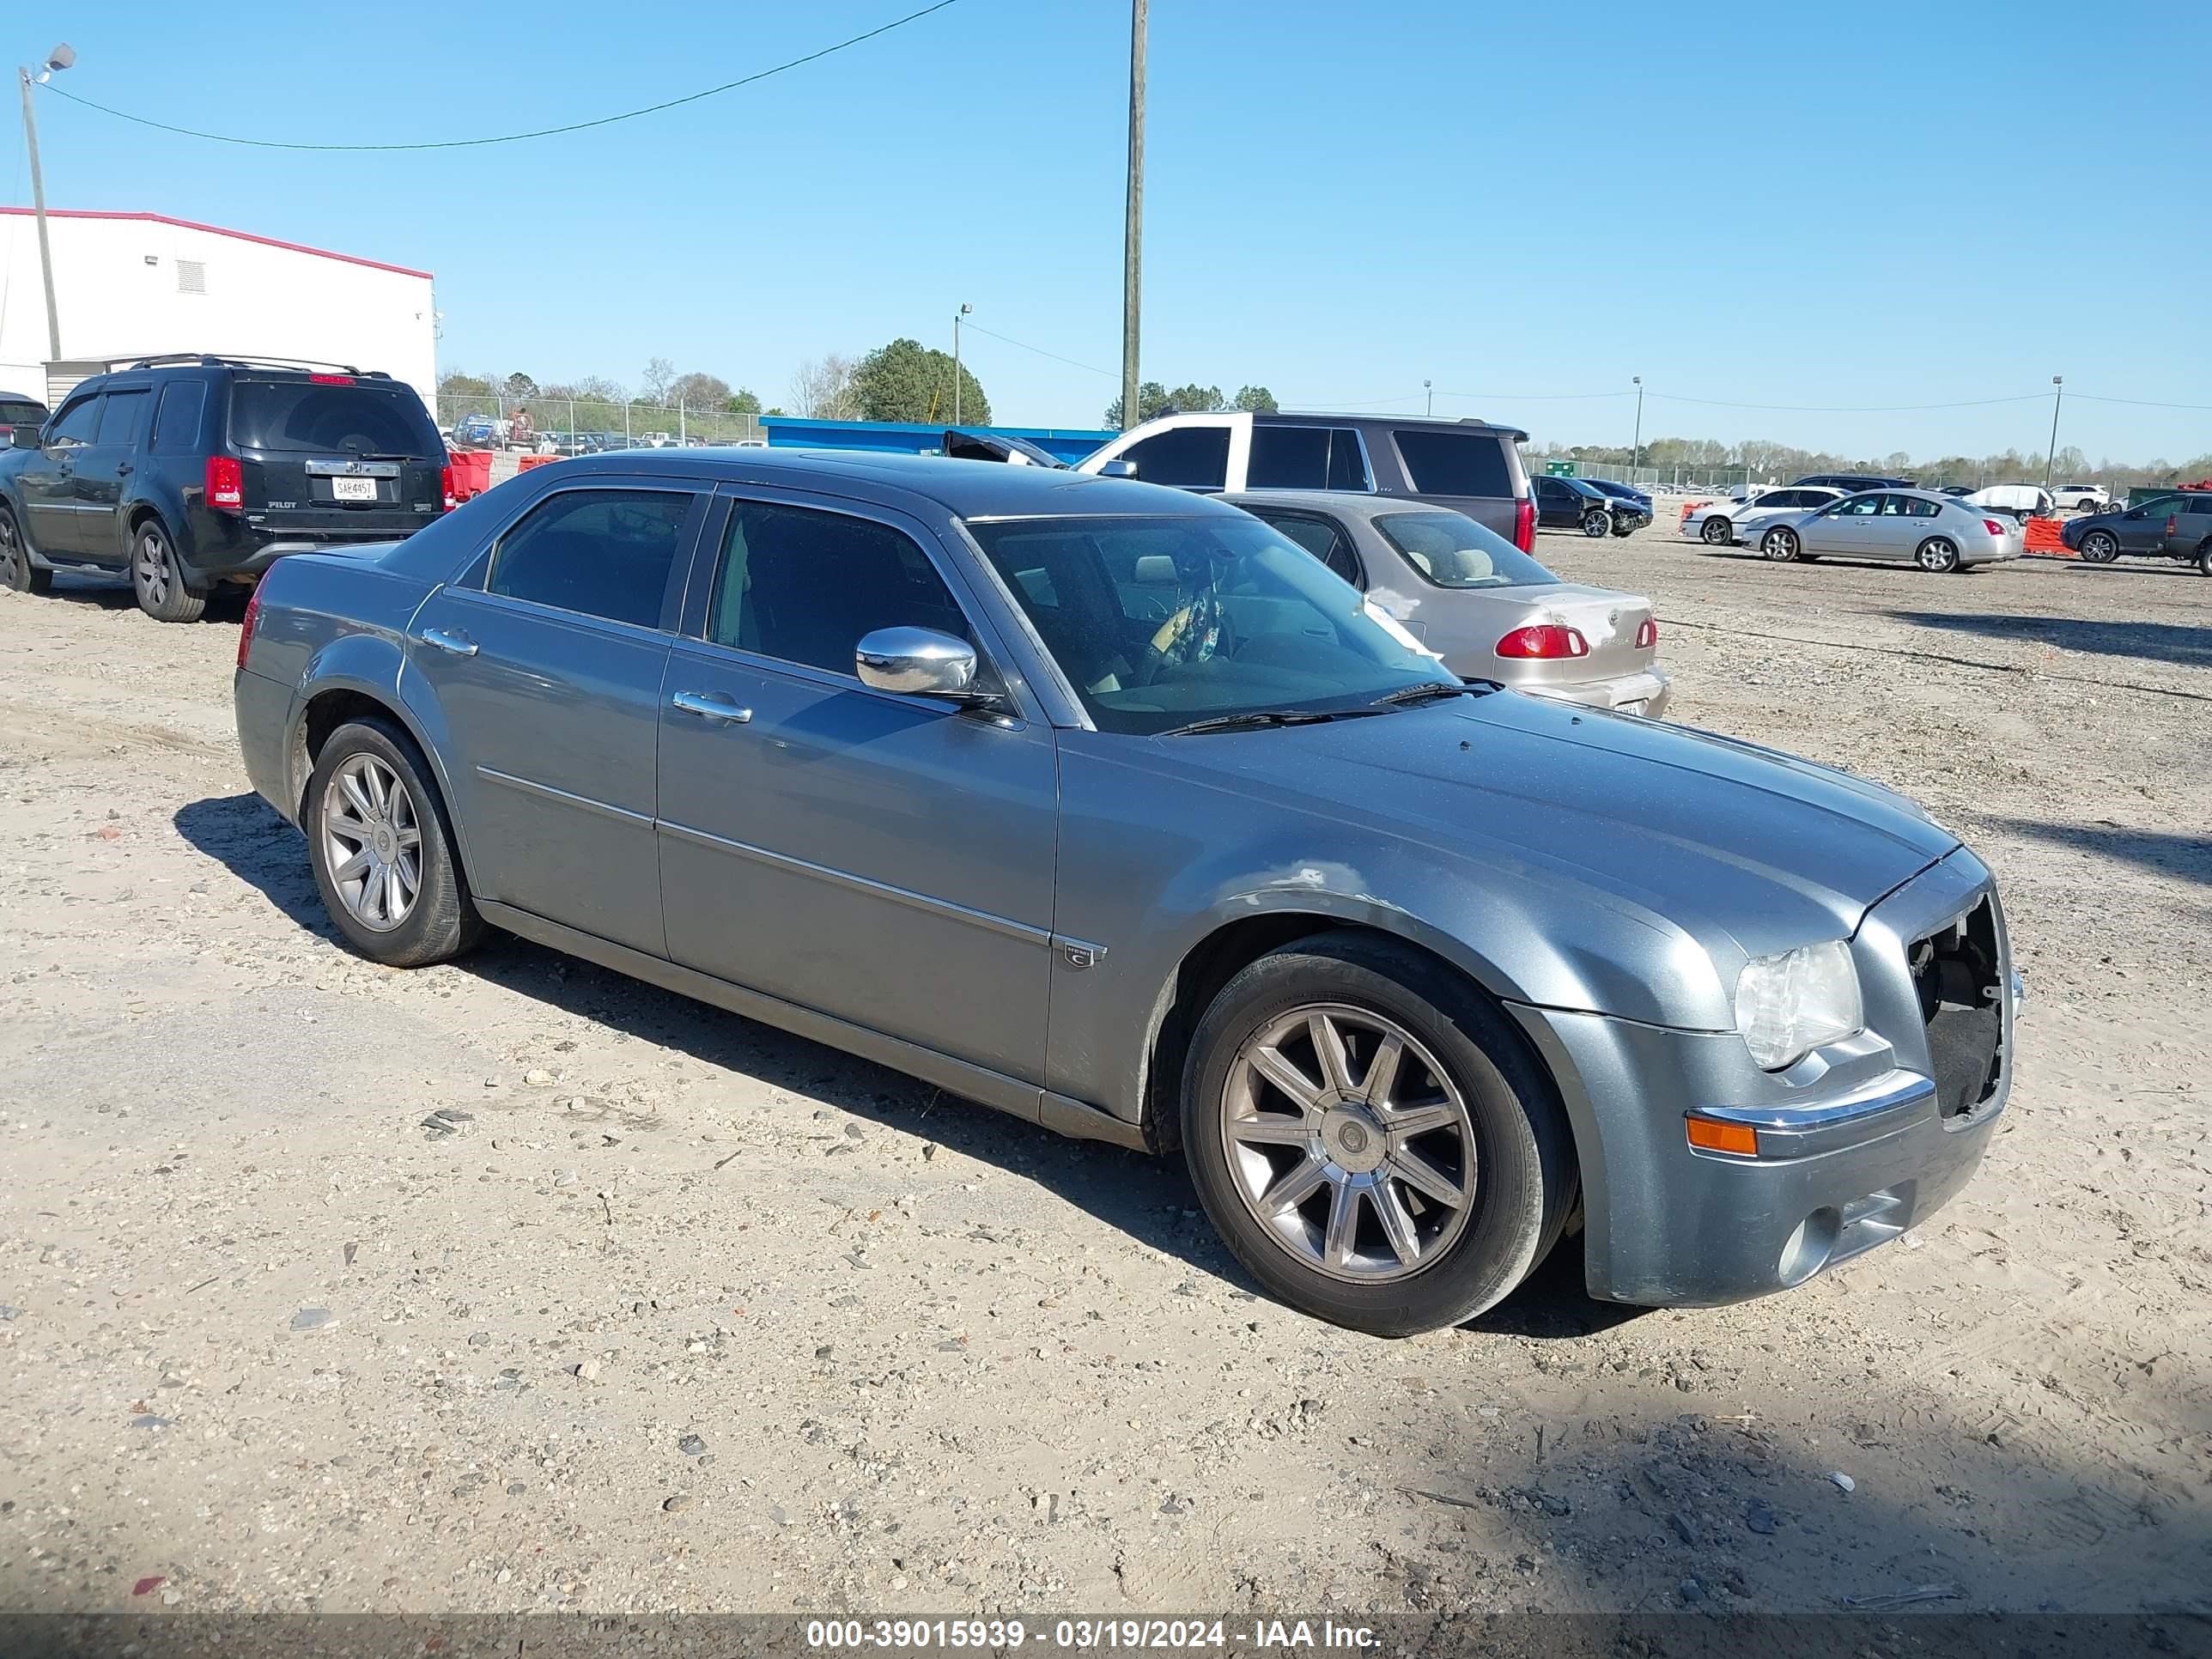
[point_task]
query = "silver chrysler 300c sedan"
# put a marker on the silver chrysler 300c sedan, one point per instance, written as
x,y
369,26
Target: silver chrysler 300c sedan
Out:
x,y
905,754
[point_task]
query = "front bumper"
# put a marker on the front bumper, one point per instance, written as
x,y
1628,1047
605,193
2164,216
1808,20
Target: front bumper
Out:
x,y
1854,1142
1645,693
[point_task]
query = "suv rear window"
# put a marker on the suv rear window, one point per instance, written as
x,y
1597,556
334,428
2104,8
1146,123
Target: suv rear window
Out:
x,y
14,412
1455,463
362,418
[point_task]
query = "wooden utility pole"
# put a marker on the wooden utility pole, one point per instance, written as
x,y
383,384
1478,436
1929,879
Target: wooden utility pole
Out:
x,y
1132,253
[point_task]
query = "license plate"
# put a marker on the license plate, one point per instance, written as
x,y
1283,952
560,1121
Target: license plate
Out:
x,y
1636,708
353,490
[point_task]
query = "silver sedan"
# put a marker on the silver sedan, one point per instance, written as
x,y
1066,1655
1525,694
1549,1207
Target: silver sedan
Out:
x,y
1463,592
1725,523
1936,532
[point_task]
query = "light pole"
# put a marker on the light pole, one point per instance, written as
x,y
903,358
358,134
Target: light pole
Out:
x,y
56,60
956,316
1133,226
2058,396
1431,396
1636,453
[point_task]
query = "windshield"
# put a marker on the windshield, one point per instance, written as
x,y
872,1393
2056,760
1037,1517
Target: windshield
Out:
x,y
1158,622
358,418
1450,550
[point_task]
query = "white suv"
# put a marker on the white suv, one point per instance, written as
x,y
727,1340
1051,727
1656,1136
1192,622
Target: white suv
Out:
x,y
2093,498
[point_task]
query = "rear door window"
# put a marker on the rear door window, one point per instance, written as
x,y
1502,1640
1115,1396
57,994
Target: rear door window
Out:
x,y
177,421
1347,460
337,415
1323,538
1454,463
1194,457
598,552
1285,458
123,416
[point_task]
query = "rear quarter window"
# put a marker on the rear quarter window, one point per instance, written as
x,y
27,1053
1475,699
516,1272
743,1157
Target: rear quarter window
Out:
x,y
1455,463
362,418
177,421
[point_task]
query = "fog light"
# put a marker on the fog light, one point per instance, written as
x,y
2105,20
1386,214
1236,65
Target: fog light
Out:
x,y
1710,1134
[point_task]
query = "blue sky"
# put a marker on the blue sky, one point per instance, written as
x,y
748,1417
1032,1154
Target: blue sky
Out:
x,y
1777,204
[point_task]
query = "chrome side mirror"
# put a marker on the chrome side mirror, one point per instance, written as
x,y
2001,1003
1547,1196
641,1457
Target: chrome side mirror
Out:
x,y
920,662
1117,469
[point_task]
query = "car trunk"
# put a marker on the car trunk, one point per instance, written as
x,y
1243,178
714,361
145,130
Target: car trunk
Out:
x,y
335,456
1609,620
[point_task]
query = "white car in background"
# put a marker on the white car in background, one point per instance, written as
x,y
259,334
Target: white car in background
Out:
x,y
1727,523
2023,501
2091,498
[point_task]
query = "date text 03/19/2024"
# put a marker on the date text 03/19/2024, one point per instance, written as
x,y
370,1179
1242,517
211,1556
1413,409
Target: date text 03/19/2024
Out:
x,y
1079,1635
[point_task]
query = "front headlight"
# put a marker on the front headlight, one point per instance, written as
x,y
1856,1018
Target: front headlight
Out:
x,y
1789,1003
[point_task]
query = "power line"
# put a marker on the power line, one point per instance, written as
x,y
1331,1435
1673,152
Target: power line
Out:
x,y
973,327
510,137
1847,409
2133,403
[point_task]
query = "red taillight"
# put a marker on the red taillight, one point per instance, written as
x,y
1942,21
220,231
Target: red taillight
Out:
x,y
1524,524
446,483
252,615
1647,634
2173,523
1543,642
1993,526
330,379
226,481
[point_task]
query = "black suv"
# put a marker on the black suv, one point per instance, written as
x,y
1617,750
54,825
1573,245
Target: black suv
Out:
x,y
190,471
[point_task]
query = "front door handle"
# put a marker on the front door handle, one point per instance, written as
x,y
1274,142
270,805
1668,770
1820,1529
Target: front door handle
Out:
x,y
122,469
459,645
710,705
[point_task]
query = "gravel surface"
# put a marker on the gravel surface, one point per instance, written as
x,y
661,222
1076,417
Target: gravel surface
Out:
x,y
513,1285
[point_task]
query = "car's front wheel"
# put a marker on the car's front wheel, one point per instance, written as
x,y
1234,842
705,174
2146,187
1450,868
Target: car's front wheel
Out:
x,y
383,849
16,571
1597,522
1371,1137
1717,532
2205,559
1781,544
158,579
2101,547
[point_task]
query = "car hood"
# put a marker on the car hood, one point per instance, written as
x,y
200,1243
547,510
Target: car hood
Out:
x,y
1746,849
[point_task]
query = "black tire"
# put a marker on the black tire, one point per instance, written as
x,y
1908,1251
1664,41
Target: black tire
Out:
x,y
442,921
1782,544
1622,528
2101,547
158,579
1938,556
1597,522
2205,559
1524,1174
17,572
1716,533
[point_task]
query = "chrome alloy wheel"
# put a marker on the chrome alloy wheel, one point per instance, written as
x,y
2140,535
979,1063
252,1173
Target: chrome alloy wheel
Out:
x,y
1349,1143
372,842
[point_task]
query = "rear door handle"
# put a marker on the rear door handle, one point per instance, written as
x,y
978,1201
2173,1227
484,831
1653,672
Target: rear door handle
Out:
x,y
710,705
459,645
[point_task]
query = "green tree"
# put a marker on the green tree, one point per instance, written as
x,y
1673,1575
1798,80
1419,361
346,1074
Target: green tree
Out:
x,y
519,385
744,401
698,391
1152,398
1256,398
454,384
1196,399
907,380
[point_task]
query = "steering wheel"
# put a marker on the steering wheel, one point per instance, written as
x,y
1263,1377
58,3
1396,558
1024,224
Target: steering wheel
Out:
x,y
1160,650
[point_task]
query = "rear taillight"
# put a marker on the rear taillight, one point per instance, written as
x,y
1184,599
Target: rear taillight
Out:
x,y
1993,526
2173,523
1524,524
226,481
1543,642
252,615
1647,634
446,483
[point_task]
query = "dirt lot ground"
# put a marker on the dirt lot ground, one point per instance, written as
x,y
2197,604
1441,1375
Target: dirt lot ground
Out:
x,y
680,1312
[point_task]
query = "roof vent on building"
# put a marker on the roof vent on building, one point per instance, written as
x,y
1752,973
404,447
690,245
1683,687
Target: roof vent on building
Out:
x,y
191,276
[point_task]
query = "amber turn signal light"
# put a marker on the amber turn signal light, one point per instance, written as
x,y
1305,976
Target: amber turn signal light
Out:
x,y
1711,1135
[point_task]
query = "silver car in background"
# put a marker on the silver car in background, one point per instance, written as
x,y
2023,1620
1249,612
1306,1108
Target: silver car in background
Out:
x,y
1467,595
1897,526
1727,523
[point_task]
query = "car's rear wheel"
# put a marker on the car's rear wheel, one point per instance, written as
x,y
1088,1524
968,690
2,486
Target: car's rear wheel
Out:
x,y
16,571
1936,555
1781,544
157,578
382,849
2101,547
1597,522
1717,532
2205,559
1371,1137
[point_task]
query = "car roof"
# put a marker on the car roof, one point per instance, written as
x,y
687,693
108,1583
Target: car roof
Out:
x,y
968,489
1312,417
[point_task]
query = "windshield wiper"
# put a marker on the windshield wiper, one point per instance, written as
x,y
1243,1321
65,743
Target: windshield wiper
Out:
x,y
1265,717
1405,696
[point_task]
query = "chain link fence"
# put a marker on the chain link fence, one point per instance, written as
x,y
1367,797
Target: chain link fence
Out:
x,y
570,426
